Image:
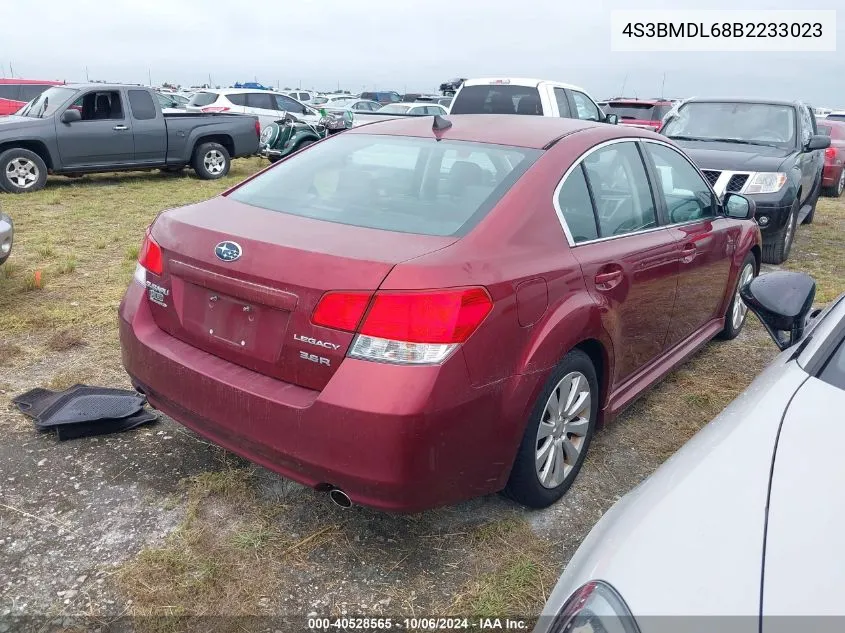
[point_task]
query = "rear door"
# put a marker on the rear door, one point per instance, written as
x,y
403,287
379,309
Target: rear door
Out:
x,y
706,241
148,128
103,137
629,261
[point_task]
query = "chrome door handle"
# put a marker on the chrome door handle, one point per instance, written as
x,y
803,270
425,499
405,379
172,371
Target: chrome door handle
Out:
x,y
120,128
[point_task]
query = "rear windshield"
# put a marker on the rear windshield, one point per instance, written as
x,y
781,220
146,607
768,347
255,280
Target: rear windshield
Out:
x,y
836,117
497,99
403,184
203,98
636,111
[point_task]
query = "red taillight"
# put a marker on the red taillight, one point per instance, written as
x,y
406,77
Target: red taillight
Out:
x,y
341,310
436,316
258,128
830,154
150,255
215,109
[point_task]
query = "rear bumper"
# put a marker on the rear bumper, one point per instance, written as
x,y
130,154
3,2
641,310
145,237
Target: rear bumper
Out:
x,y
401,439
830,175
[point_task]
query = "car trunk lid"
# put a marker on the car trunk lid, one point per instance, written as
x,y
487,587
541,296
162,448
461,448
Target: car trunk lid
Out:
x,y
255,309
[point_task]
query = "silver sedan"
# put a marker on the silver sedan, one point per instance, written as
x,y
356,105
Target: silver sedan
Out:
x,y
7,235
747,519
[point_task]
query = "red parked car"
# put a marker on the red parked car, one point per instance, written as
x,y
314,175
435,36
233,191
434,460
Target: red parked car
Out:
x,y
16,93
410,313
833,175
644,113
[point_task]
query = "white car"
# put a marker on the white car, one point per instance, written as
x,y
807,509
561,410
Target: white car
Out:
x,y
515,95
267,105
413,109
746,519
303,96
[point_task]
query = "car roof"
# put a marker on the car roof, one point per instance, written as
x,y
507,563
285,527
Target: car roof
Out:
x,y
499,129
778,102
635,100
518,81
30,82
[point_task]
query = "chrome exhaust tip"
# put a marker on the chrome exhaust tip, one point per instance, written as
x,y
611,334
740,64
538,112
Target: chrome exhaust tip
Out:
x,y
340,498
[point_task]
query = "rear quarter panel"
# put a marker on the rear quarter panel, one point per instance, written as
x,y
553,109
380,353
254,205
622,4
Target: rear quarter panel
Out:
x,y
184,131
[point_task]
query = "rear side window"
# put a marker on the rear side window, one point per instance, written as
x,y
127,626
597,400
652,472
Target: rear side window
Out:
x,y
13,92
203,98
403,184
621,190
576,207
261,100
238,98
142,105
562,103
497,99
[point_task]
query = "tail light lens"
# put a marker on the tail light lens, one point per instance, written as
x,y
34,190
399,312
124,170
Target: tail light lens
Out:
x,y
830,154
149,256
215,109
405,327
258,128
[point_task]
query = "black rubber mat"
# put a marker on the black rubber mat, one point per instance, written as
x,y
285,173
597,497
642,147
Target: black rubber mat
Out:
x,y
81,410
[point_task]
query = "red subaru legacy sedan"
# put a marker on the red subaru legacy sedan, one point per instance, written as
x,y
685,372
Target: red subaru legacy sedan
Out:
x,y
420,311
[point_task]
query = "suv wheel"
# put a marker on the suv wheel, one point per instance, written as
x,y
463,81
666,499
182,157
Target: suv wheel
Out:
x,y
737,310
22,171
777,250
836,190
558,434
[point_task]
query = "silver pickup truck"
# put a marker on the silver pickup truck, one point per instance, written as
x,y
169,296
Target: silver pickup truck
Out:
x,y
79,129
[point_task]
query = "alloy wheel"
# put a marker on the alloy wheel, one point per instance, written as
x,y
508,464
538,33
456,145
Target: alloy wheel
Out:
x,y
214,162
563,429
22,172
840,186
740,309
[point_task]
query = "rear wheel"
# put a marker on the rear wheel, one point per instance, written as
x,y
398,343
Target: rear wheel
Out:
x,y
22,171
777,250
737,310
558,434
211,161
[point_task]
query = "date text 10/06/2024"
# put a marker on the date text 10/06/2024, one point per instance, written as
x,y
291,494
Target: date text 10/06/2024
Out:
x,y
417,624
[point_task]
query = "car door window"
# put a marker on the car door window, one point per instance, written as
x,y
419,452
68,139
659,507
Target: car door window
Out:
x,y
142,105
686,193
100,106
562,103
287,104
238,98
260,100
576,207
584,107
617,178
833,372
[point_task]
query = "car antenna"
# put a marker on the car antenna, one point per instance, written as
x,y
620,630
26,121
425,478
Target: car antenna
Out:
x,y
440,124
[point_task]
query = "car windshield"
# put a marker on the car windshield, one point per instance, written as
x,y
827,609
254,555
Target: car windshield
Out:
x,y
636,111
403,184
754,123
46,103
497,99
395,108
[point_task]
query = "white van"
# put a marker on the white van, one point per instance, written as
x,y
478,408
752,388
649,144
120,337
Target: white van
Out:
x,y
527,96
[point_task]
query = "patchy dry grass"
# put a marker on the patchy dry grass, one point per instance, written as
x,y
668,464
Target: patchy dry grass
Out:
x,y
819,249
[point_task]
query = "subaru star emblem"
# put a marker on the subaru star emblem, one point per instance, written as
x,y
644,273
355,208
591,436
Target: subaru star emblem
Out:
x,y
228,251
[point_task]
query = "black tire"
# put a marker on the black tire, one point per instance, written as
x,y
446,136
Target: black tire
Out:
x,y
731,331
776,250
211,161
524,485
836,190
27,160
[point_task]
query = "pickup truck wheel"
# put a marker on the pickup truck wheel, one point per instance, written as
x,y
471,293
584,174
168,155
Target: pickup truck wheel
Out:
x,y
777,250
737,310
22,171
211,161
557,435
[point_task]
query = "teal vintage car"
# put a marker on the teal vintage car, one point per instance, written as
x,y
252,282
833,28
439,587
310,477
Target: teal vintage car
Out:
x,y
289,135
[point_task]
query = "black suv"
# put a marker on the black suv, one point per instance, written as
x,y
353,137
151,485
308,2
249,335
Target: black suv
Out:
x,y
769,151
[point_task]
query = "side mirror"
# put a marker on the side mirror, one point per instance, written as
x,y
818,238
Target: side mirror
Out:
x,y
613,119
70,115
818,141
781,300
739,207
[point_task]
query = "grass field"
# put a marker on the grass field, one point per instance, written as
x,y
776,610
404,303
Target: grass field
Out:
x,y
243,550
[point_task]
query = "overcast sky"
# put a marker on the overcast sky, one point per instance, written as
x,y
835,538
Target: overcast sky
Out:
x,y
396,44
